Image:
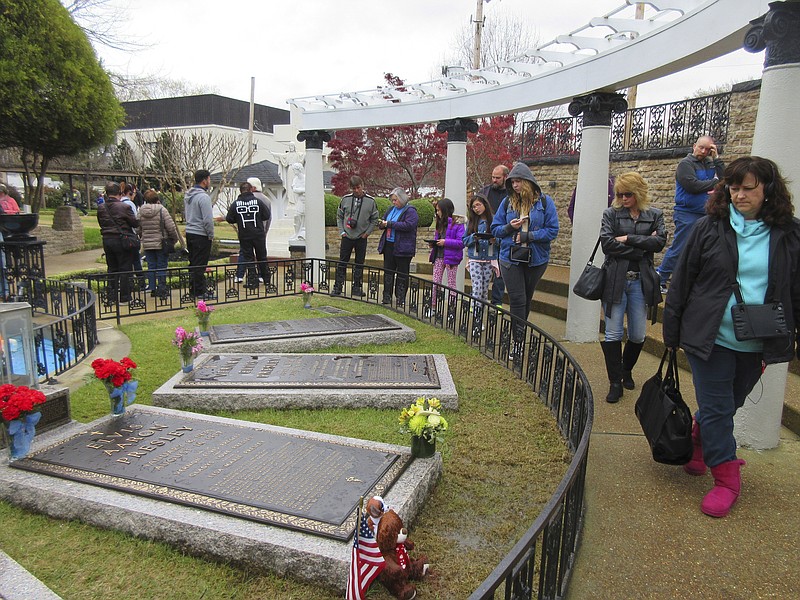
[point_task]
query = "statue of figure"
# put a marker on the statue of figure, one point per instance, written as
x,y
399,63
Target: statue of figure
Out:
x,y
299,191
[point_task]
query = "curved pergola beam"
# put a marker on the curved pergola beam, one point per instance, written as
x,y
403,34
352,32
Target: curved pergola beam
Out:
x,y
631,52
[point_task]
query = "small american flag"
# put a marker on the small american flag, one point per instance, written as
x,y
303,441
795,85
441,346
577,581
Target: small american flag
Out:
x,y
366,562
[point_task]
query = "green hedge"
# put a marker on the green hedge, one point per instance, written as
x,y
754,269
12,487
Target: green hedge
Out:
x,y
423,206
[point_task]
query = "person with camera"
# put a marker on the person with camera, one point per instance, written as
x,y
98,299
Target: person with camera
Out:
x,y
630,233
526,223
356,217
747,246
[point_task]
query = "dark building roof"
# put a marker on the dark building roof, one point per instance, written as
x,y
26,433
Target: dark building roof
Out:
x,y
206,109
267,172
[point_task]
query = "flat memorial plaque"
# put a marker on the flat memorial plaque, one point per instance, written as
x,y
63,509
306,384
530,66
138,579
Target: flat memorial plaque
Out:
x,y
263,475
379,371
323,326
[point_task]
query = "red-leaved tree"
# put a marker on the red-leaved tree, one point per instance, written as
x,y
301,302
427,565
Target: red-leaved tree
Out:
x,y
408,156
495,143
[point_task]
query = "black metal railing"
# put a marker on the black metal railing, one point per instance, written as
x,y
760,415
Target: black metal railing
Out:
x,y
65,328
540,563
671,126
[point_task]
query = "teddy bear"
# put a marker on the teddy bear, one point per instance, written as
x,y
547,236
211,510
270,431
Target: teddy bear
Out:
x,y
392,539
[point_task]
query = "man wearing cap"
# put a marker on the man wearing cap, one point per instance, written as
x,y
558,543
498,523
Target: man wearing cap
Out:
x,y
249,214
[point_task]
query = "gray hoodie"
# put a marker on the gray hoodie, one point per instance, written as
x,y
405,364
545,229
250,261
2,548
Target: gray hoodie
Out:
x,y
521,171
198,212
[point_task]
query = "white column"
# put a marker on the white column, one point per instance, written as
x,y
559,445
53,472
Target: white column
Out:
x,y
583,316
455,188
315,204
777,136
591,198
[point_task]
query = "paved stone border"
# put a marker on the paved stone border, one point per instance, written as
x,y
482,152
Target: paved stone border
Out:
x,y
203,533
287,398
17,583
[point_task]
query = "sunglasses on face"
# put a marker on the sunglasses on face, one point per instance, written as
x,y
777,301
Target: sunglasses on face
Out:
x,y
625,194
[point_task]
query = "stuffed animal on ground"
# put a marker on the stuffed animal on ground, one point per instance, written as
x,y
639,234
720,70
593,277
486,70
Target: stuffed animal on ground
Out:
x,y
394,544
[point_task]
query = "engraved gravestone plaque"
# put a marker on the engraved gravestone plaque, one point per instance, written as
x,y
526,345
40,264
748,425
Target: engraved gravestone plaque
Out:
x,y
380,371
325,326
274,477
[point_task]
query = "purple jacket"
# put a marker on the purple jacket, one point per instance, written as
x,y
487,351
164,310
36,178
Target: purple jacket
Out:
x,y
405,232
453,246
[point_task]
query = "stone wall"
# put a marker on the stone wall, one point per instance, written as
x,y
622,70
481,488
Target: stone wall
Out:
x,y
333,241
558,180
66,234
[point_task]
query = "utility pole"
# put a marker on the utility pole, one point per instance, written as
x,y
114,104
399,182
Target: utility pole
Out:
x,y
252,118
476,47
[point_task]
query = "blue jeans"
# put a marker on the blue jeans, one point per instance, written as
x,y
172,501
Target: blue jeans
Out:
x,y
631,304
684,221
721,385
157,261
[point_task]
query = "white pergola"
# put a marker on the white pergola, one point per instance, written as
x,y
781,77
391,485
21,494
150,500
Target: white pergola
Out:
x,y
611,52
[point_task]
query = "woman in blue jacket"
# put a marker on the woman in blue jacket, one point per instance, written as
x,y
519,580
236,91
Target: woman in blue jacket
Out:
x,y
398,244
528,218
481,251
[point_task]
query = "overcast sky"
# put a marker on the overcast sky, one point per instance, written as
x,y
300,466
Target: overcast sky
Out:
x,y
309,47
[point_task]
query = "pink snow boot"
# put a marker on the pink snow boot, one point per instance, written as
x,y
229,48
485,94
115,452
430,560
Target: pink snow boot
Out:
x,y
696,466
727,484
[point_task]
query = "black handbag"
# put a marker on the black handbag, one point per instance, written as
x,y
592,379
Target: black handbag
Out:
x,y
754,321
520,254
592,280
665,419
757,321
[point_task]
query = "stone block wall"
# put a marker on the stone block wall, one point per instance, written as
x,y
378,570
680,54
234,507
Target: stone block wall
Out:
x,y
66,234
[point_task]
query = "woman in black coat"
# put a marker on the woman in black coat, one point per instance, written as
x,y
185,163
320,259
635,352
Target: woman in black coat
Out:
x,y
748,236
630,234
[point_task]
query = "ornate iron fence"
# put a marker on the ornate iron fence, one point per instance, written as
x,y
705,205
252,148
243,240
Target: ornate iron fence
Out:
x,y
539,565
65,328
671,126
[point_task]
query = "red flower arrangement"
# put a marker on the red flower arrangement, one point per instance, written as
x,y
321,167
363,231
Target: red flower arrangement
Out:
x,y
18,401
113,372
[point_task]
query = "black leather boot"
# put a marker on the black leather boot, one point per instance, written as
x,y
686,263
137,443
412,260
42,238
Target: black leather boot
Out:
x,y
613,355
629,357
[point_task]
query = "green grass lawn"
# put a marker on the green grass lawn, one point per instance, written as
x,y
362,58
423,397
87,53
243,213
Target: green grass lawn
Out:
x,y
503,459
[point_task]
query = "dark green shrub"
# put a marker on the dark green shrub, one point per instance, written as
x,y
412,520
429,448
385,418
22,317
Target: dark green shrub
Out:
x,y
425,211
331,206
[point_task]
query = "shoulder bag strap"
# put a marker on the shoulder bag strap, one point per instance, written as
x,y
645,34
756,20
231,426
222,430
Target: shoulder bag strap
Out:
x,y
723,240
596,246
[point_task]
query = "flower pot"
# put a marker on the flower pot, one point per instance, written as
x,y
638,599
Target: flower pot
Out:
x,y
187,363
18,435
306,300
117,405
202,323
421,447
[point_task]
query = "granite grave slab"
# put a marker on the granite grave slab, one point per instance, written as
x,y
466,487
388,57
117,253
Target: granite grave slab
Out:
x,y
277,478
246,381
225,537
305,335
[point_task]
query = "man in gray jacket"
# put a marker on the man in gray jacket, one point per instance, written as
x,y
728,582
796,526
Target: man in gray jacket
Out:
x,y
356,217
198,214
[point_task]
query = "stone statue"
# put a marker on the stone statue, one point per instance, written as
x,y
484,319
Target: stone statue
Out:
x,y
299,192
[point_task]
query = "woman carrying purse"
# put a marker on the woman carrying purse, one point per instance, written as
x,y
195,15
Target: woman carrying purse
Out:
x,y
527,218
630,234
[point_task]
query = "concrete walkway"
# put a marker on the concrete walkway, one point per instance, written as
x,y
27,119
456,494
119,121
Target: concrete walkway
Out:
x,y
644,534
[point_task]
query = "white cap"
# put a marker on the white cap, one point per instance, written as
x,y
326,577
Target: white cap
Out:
x,y
255,182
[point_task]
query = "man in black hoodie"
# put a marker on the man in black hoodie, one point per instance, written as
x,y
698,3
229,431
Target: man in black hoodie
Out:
x,y
250,216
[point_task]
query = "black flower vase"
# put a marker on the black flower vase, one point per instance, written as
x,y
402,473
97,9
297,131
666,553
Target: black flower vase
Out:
x,y
421,447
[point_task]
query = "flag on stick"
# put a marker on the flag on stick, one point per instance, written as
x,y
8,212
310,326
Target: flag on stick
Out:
x,y
366,561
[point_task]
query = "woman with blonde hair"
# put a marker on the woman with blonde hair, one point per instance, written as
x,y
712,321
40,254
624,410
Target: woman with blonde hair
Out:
x,y
630,233
526,223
